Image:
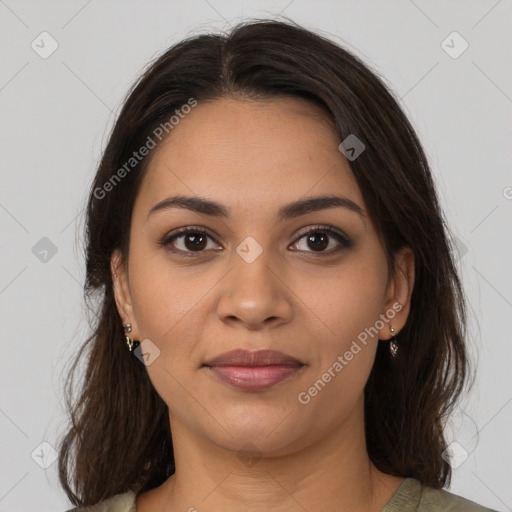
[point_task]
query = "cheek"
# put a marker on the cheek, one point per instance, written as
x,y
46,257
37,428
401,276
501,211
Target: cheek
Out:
x,y
169,305
346,303
174,308
345,307
163,293
349,305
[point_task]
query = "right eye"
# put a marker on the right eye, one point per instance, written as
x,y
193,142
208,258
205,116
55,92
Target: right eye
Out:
x,y
192,240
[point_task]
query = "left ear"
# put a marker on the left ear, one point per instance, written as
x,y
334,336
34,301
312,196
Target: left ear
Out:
x,y
122,292
398,296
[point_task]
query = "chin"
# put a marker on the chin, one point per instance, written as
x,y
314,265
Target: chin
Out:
x,y
266,432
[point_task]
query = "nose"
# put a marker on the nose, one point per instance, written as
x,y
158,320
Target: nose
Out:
x,y
255,295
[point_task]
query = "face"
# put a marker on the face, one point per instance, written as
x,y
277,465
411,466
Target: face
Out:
x,y
255,274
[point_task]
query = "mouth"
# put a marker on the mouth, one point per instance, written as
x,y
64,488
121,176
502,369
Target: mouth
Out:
x,y
253,371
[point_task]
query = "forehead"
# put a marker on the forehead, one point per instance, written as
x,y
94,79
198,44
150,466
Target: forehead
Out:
x,y
250,154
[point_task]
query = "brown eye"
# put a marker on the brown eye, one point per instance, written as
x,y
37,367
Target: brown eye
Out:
x,y
187,241
320,238
318,241
195,241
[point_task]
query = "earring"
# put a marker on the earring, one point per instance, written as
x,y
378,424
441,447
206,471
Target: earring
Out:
x,y
393,347
127,330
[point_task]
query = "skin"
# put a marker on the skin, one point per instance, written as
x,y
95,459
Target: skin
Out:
x,y
254,157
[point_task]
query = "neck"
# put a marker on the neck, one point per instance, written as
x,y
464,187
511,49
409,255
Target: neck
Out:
x,y
333,474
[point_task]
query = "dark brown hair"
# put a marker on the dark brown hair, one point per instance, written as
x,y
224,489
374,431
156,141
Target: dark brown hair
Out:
x,y
119,437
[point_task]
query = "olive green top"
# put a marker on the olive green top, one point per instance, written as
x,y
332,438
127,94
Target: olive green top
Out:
x,y
411,496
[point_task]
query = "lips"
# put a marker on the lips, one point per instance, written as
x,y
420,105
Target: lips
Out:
x,y
247,358
253,371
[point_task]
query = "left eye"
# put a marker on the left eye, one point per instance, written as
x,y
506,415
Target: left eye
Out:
x,y
318,239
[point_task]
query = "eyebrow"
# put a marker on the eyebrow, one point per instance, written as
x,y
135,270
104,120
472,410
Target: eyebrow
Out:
x,y
296,209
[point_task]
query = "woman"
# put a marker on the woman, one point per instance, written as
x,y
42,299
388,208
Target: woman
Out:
x,y
281,325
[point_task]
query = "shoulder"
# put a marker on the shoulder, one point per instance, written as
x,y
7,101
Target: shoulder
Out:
x,y
440,499
413,496
118,503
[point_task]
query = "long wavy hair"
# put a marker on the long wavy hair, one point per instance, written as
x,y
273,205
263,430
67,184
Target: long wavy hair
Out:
x,y
119,436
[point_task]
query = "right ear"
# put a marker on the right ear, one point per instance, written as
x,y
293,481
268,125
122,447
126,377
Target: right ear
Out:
x,y
122,292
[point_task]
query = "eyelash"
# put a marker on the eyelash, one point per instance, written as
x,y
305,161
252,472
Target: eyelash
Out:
x,y
345,242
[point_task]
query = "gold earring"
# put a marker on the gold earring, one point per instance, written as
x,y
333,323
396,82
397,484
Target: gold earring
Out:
x,y
127,330
393,346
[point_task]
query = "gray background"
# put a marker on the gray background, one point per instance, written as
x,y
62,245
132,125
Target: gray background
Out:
x,y
56,114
